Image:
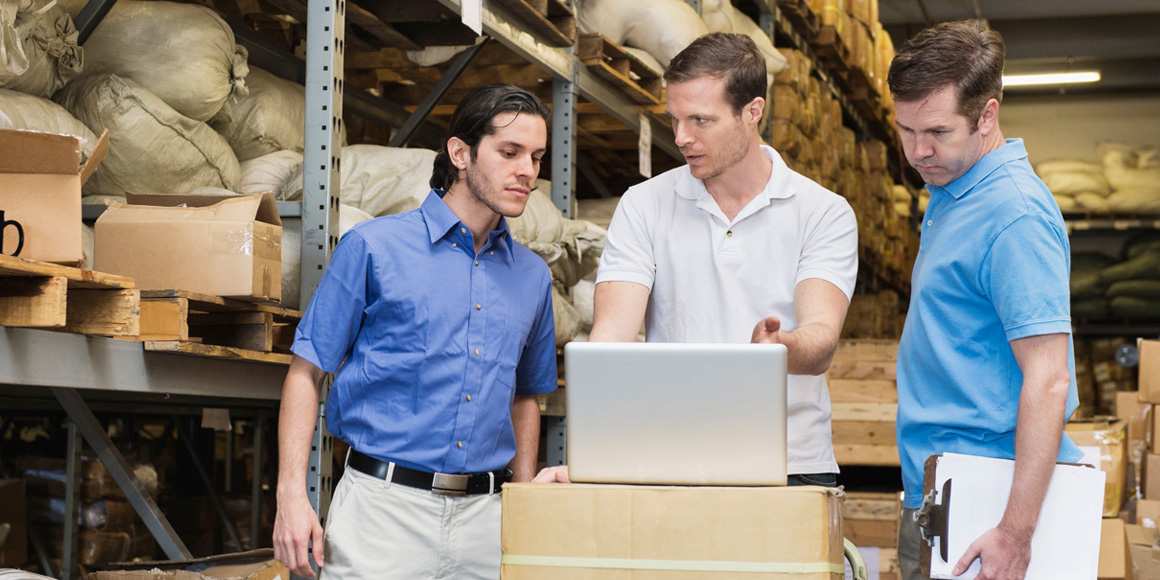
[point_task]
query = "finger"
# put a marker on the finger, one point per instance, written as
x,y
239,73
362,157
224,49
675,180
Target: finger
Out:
x,y
968,557
300,549
562,475
319,545
772,325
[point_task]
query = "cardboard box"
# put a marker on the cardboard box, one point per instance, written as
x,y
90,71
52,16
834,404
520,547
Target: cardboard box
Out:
x,y
696,533
1151,482
1148,513
1115,559
1149,379
41,175
251,565
1145,554
1104,443
220,246
1136,414
14,512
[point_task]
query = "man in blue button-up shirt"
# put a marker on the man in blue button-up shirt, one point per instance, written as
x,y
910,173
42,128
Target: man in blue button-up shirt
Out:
x,y
985,365
438,328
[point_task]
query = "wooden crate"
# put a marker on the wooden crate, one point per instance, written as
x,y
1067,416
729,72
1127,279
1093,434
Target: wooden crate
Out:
x,y
871,519
198,324
552,20
864,399
42,295
608,60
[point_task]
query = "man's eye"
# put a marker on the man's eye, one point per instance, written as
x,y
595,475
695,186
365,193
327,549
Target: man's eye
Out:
x,y
509,154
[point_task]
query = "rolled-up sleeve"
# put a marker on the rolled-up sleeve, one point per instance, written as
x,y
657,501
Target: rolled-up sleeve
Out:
x,y
536,373
334,317
1025,274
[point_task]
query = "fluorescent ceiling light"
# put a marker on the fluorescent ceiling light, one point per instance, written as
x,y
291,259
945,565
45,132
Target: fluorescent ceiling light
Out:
x,y
1054,78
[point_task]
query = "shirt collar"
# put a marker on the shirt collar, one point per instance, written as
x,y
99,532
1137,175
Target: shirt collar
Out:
x,y
777,187
1011,150
441,220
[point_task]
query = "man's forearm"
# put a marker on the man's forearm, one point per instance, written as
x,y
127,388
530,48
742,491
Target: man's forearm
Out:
x,y
296,421
811,348
1037,436
526,422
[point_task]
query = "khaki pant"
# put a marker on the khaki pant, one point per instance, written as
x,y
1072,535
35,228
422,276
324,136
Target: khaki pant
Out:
x,y
910,546
386,531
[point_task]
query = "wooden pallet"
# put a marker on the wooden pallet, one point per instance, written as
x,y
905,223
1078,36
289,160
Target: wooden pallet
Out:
x,y
192,323
830,49
870,519
42,295
799,14
552,20
619,67
864,397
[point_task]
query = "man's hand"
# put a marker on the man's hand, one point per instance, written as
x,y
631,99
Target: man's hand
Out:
x,y
558,474
295,527
1004,554
767,331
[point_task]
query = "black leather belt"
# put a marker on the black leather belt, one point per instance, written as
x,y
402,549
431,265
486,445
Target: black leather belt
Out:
x,y
437,483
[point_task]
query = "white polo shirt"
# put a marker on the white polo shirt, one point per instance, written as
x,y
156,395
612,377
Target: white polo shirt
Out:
x,y
712,279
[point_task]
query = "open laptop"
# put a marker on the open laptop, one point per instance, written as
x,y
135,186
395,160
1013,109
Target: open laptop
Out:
x,y
672,413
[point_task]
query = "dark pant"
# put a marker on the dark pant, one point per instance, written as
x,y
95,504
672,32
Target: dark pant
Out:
x,y
822,479
910,547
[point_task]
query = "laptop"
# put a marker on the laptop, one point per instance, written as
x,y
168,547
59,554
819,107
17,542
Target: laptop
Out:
x,y
676,413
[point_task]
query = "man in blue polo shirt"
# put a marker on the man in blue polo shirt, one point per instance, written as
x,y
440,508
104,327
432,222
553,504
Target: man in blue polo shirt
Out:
x,y
985,366
439,330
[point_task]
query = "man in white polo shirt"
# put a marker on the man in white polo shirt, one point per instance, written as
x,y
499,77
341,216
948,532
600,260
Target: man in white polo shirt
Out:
x,y
733,247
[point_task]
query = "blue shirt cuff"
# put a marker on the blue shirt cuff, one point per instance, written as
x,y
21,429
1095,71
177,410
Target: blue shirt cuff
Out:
x,y
304,349
1038,328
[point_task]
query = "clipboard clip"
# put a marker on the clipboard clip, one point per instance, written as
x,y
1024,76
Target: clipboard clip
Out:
x,y
933,518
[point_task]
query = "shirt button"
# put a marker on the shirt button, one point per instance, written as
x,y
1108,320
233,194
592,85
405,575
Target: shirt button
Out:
x,y
729,233
468,397
459,444
930,222
478,307
476,351
491,253
454,244
477,263
463,230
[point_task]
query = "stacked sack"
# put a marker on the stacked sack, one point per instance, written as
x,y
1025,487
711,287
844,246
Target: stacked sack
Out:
x,y
1076,185
1126,180
1103,288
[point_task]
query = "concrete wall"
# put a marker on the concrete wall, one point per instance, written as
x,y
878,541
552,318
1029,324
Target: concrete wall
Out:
x,y
1070,126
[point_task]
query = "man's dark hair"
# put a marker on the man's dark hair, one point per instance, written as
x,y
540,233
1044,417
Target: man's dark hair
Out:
x,y
966,54
472,121
733,57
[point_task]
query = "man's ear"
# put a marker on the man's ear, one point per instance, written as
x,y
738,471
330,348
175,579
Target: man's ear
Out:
x,y
989,118
459,152
755,109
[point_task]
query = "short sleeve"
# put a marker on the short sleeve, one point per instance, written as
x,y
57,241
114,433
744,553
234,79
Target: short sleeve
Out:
x,y
1025,274
536,373
830,250
628,249
331,323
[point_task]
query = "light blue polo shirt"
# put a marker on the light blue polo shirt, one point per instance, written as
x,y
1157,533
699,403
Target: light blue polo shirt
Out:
x,y
992,267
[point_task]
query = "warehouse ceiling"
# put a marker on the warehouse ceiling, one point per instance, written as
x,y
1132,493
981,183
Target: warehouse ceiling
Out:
x,y
1121,38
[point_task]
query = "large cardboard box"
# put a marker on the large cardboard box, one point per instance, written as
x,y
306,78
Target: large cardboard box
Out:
x,y
1115,558
1148,513
605,532
41,175
221,246
14,512
1135,413
1104,444
252,565
1145,554
1149,379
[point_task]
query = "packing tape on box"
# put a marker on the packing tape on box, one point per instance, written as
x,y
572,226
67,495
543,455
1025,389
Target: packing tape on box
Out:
x,y
673,565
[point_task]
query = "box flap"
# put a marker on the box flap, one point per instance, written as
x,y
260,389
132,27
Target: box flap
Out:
x,y
98,155
258,206
37,152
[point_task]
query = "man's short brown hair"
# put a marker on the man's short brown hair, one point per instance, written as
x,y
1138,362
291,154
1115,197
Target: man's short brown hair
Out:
x,y
733,57
966,54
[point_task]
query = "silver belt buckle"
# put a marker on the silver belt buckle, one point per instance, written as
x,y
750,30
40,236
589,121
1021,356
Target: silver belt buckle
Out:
x,y
448,484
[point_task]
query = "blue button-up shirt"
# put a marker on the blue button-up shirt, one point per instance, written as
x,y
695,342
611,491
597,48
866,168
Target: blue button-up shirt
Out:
x,y
992,267
430,341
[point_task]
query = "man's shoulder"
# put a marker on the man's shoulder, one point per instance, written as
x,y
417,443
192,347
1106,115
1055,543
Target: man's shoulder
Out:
x,y
390,228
